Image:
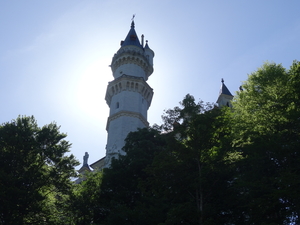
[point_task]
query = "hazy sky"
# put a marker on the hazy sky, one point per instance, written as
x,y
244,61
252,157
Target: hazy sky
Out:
x,y
54,55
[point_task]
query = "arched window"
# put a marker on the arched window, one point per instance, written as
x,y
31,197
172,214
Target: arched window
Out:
x,y
117,105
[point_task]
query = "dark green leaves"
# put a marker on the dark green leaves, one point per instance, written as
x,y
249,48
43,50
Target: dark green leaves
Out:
x,y
265,122
33,168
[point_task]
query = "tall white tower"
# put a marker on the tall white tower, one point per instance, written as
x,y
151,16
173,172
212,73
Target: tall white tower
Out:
x,y
128,95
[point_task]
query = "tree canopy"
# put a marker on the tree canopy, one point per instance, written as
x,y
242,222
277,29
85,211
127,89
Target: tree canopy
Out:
x,y
35,172
236,165
171,174
265,128
204,165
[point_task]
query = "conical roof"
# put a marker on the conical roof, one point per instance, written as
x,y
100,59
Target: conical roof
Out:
x,y
132,38
224,90
147,46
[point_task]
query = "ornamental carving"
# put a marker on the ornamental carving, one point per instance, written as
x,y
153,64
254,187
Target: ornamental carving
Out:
x,y
129,83
131,55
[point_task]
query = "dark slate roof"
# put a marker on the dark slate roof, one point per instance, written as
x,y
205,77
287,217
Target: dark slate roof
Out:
x,y
132,38
224,90
84,167
147,46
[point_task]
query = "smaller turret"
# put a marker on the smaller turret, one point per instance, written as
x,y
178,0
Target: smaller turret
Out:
x,y
149,53
225,96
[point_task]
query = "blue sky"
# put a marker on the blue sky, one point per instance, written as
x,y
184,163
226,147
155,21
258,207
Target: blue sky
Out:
x,y
54,55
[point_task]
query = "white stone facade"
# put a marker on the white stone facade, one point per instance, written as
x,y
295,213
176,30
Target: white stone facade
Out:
x,y
225,96
128,95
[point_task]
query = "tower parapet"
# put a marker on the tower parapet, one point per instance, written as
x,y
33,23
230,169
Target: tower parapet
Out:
x,y
149,54
132,58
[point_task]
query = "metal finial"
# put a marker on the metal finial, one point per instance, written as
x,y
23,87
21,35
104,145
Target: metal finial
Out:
x,y
222,80
132,23
133,17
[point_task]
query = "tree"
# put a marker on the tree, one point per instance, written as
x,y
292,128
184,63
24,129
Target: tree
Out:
x,y
179,173
85,203
123,199
35,172
194,173
265,122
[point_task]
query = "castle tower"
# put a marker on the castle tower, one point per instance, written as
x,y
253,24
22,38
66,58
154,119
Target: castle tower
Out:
x,y
224,96
128,95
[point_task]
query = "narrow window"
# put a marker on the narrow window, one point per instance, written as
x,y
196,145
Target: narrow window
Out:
x,y
117,105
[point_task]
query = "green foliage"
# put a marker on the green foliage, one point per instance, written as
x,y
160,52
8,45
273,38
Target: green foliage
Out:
x,y
206,165
85,206
193,173
265,123
122,195
34,171
180,174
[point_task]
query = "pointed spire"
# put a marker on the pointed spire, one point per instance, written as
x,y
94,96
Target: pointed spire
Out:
x,y
131,38
224,96
224,90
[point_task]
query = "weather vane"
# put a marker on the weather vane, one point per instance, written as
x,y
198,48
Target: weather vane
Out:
x,y
133,17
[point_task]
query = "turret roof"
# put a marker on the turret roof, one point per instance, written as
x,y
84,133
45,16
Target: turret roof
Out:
x,y
147,46
132,38
224,90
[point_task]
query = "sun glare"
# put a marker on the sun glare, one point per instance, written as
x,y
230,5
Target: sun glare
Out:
x,y
91,89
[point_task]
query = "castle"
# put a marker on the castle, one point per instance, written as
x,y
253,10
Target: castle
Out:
x,y
129,96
